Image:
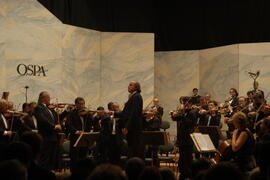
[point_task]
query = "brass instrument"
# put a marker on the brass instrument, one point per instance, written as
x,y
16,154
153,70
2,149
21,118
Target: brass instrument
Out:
x,y
149,112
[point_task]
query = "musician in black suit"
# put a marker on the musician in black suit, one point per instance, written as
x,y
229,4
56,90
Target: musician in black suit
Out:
x,y
132,114
5,132
48,126
152,122
157,109
95,125
196,98
30,121
117,144
152,116
78,123
233,99
15,123
256,89
258,112
211,117
105,135
187,122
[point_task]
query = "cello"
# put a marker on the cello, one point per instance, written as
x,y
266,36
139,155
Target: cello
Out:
x,y
224,152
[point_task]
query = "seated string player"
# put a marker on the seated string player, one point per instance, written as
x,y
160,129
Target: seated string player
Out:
x,y
241,107
210,117
103,120
205,100
30,121
158,109
243,143
260,111
78,121
263,147
5,132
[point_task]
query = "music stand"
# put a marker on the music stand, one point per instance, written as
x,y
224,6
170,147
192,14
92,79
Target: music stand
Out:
x,y
155,138
213,131
203,143
61,138
86,139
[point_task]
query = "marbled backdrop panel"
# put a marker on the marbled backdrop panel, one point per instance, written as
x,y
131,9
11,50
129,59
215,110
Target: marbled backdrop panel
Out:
x,y
254,57
126,57
71,56
219,71
81,67
29,35
176,74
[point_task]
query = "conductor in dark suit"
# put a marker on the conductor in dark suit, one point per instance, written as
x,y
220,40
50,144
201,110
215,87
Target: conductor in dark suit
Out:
x,y
133,118
78,123
48,126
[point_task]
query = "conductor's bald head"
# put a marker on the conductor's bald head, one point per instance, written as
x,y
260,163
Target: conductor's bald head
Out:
x,y
134,86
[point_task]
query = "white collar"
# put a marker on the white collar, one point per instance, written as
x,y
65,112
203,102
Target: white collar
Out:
x,y
130,95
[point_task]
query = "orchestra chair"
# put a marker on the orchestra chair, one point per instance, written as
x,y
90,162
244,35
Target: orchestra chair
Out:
x,y
65,156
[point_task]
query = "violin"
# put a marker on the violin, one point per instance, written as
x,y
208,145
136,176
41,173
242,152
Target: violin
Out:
x,y
265,108
15,114
180,110
240,108
86,111
60,105
212,111
225,108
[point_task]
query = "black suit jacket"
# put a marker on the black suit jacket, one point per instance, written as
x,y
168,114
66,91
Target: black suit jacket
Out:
x,y
46,123
95,125
132,113
196,99
106,125
75,124
214,121
29,123
186,126
3,139
234,101
2,125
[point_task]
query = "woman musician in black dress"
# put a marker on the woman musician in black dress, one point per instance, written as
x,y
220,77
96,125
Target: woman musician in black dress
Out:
x,y
243,143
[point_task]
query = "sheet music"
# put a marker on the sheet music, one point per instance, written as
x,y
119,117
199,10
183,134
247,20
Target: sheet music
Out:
x,y
203,142
209,144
